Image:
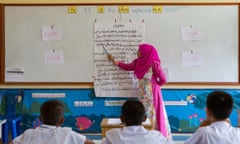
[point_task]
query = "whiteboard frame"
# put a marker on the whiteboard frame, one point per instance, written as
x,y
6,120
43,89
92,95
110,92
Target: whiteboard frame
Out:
x,y
2,51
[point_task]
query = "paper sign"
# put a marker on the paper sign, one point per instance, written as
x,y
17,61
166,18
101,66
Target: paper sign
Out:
x,y
175,103
14,74
157,9
14,77
53,57
51,33
190,33
48,95
72,10
189,59
117,121
100,9
123,9
108,80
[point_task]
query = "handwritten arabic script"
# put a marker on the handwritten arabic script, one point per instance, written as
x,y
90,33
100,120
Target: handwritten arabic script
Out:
x,y
121,40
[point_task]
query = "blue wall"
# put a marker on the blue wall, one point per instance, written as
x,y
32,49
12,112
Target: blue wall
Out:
x,y
184,116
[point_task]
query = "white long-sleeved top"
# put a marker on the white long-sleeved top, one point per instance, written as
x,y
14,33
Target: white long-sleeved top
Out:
x,y
135,135
216,133
46,134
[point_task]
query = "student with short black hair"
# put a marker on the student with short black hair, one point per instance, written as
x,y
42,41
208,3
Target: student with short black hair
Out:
x,y
216,129
132,116
51,132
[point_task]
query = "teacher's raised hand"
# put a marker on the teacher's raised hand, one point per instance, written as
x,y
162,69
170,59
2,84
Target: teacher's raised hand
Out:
x,y
111,58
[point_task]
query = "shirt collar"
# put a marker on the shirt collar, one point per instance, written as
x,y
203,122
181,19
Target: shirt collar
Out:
x,y
220,124
48,126
134,129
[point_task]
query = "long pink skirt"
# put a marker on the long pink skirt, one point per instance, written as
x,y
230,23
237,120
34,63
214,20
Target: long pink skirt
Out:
x,y
162,123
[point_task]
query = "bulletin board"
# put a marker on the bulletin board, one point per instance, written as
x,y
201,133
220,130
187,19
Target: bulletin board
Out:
x,y
196,43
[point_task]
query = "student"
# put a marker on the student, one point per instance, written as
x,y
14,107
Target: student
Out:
x,y
132,116
51,132
147,69
216,129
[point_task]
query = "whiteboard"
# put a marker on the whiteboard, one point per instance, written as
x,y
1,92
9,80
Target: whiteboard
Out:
x,y
215,50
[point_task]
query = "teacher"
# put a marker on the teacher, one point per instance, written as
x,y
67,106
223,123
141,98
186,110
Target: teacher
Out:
x,y
147,69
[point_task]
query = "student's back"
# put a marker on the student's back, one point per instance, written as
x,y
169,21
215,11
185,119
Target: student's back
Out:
x,y
47,134
51,132
135,135
216,129
216,133
132,115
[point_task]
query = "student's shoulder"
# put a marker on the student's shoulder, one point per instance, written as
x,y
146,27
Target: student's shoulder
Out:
x,y
158,136
237,129
155,133
113,131
30,130
236,133
73,134
28,133
204,129
68,130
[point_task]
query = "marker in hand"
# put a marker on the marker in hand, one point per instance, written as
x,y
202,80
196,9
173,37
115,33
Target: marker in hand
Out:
x,y
110,57
105,50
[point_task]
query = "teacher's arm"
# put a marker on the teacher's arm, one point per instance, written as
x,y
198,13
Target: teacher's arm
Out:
x,y
124,66
111,58
158,74
127,67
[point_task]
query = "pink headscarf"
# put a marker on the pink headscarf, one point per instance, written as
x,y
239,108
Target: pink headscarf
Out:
x,y
148,54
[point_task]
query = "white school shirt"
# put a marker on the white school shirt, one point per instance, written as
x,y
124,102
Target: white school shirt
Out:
x,y
216,133
47,134
134,135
